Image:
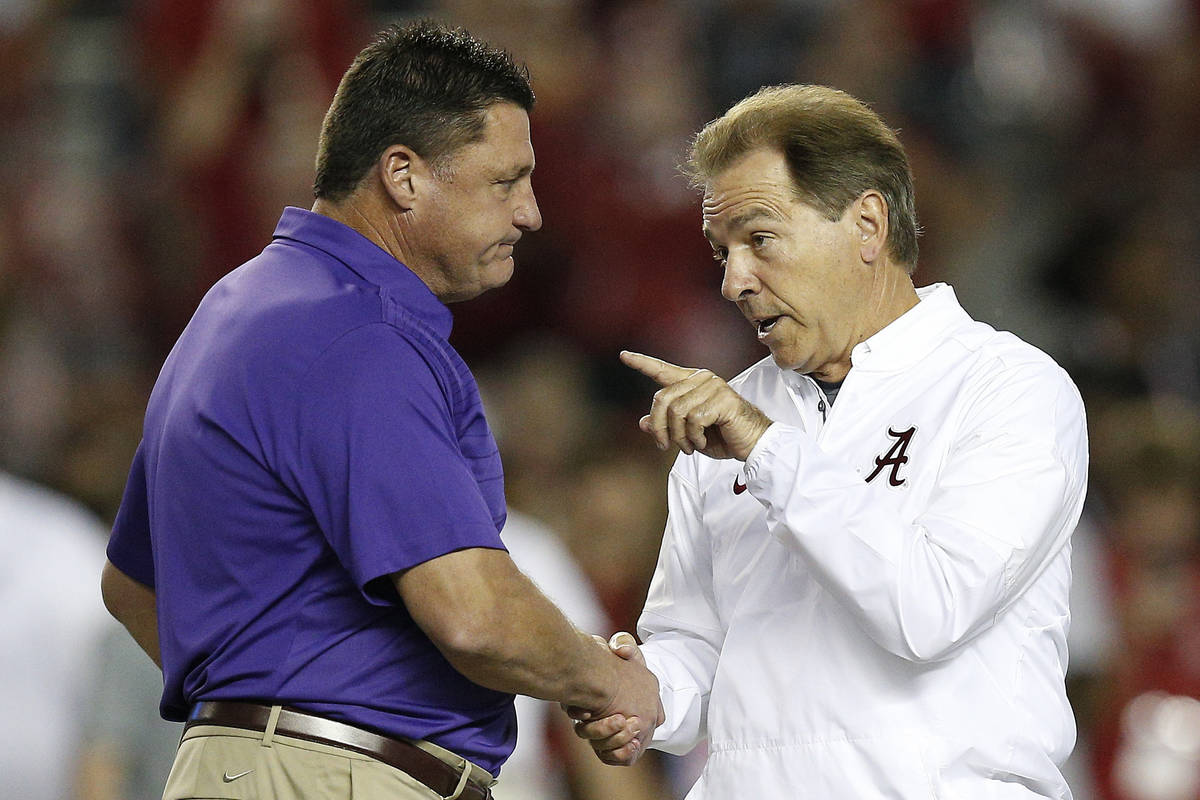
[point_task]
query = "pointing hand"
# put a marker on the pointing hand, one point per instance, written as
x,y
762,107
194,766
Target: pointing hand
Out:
x,y
697,411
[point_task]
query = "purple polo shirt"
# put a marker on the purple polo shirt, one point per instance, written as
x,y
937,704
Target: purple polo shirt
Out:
x,y
312,432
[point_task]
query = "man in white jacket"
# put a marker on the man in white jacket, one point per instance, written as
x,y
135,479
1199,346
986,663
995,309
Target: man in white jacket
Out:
x,y
862,590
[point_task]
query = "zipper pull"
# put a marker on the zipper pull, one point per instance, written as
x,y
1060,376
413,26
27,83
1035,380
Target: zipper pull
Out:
x,y
821,408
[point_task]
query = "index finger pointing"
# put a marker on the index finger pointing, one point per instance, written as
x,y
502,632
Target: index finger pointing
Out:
x,y
662,372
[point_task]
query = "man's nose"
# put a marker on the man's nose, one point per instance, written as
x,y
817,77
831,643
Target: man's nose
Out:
x,y
739,280
527,216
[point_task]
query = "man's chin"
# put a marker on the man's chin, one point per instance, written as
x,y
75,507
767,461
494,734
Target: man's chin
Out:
x,y
499,273
785,360
492,276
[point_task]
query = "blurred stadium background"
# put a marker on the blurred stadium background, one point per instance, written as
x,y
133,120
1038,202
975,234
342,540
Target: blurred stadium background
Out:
x,y
148,146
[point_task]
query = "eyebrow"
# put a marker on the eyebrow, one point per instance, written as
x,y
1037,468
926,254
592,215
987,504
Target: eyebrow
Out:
x,y
520,173
743,218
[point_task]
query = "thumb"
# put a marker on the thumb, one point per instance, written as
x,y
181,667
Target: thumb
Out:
x,y
623,644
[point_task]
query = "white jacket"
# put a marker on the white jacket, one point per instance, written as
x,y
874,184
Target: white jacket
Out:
x,y
903,637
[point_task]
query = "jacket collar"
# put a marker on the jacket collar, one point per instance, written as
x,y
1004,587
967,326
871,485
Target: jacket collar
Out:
x,y
914,334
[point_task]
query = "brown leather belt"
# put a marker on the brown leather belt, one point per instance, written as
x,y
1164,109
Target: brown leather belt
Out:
x,y
404,756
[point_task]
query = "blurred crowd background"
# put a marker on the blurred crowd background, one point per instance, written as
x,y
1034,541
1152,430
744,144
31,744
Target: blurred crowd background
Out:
x,y
148,146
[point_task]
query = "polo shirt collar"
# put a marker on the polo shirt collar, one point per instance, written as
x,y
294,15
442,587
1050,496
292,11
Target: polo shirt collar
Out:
x,y
367,260
914,334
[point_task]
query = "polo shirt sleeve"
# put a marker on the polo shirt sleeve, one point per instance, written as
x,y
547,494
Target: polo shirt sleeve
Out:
x,y
129,545
379,461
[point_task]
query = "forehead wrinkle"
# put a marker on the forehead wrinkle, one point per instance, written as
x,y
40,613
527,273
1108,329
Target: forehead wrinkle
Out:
x,y
757,207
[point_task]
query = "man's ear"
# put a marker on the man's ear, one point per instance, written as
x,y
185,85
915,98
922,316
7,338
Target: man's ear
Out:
x,y
401,171
871,225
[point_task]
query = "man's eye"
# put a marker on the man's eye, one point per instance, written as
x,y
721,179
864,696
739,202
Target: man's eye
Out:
x,y
758,240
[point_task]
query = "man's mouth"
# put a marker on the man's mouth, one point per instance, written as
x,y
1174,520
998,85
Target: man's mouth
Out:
x,y
765,325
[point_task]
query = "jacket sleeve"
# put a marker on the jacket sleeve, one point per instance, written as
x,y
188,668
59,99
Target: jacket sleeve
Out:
x,y
1006,499
680,626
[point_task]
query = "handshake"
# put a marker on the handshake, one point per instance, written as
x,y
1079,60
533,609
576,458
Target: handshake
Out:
x,y
620,732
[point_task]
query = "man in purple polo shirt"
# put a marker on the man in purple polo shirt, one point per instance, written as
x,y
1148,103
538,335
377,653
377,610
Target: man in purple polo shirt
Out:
x,y
309,543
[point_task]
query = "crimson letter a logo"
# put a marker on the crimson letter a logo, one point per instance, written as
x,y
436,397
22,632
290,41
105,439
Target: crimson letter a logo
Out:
x,y
895,457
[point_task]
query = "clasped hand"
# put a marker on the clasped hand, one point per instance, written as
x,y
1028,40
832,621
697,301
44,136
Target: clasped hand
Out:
x,y
619,737
697,411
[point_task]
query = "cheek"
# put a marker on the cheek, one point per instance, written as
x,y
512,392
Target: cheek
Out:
x,y
491,225
795,286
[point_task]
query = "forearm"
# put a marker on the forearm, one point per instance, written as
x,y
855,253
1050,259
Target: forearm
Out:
x,y
495,627
133,605
530,648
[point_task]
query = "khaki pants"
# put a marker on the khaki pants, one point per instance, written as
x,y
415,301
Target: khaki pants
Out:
x,y
215,762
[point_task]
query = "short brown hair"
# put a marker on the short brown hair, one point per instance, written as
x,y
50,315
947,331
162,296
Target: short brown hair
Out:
x,y
422,85
836,148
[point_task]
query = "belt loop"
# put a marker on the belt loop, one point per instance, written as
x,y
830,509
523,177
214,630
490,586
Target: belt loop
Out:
x,y
462,780
272,721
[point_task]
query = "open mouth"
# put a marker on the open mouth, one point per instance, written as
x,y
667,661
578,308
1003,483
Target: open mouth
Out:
x,y
766,325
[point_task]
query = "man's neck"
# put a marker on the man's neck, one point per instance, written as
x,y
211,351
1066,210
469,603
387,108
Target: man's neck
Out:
x,y
360,214
893,295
